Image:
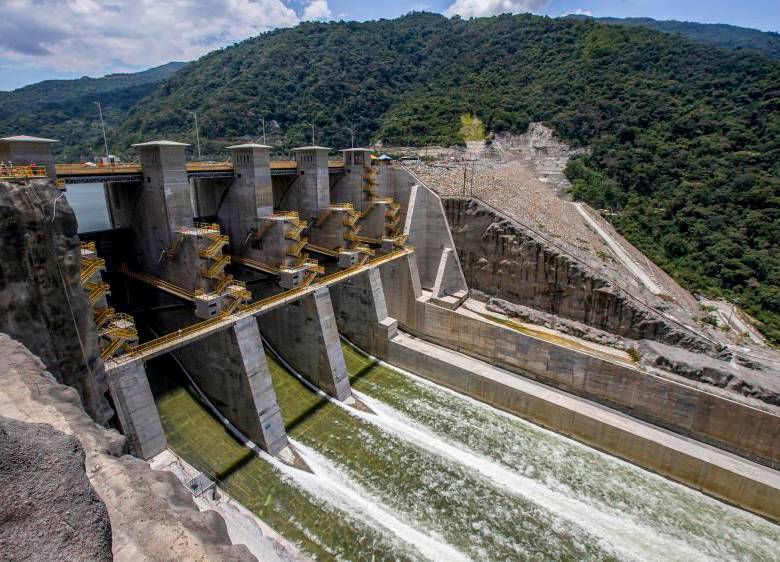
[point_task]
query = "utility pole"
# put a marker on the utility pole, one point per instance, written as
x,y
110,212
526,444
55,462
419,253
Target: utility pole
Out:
x,y
312,135
197,134
263,121
351,130
103,128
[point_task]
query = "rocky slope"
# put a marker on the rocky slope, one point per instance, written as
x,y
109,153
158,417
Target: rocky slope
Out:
x,y
152,516
42,303
48,514
504,259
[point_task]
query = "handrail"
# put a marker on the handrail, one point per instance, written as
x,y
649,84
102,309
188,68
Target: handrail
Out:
x,y
323,250
175,290
161,343
95,290
17,172
296,248
258,265
218,242
223,283
90,266
88,246
216,267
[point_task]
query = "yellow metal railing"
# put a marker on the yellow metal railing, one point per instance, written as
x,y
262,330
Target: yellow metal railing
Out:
x,y
215,269
95,290
90,266
103,315
88,246
111,349
165,342
171,252
180,292
295,232
21,172
296,248
218,241
121,326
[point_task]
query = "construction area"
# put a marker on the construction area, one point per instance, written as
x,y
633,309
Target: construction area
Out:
x,y
480,277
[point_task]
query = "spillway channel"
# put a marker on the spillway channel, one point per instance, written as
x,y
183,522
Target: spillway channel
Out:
x,y
438,476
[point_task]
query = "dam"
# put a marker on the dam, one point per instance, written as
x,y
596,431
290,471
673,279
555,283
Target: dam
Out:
x,y
320,308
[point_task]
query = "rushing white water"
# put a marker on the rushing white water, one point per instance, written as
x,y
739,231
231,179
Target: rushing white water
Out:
x,y
619,533
332,485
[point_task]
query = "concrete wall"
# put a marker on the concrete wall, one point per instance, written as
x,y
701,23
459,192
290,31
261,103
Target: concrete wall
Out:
x,y
231,369
425,224
735,481
304,333
747,431
136,410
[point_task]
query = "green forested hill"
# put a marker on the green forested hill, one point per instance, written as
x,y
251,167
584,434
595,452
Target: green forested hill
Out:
x,y
65,109
685,137
721,35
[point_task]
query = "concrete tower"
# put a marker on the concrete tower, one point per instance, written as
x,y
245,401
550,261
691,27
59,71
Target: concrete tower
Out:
x,y
313,189
250,196
23,150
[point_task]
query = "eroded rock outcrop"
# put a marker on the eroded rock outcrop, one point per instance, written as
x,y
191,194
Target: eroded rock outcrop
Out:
x,y
153,517
49,510
503,259
42,303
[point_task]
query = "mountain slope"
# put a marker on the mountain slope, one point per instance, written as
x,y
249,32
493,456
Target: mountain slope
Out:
x,y
65,109
684,138
718,34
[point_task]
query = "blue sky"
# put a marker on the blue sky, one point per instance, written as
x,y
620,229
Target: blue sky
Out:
x,y
42,39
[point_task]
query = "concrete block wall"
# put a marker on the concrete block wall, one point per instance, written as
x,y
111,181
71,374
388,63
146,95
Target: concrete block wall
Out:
x,y
361,311
310,194
305,334
135,408
425,225
747,431
230,368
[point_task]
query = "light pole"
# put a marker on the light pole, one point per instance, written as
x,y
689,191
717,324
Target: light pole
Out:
x,y
312,132
197,134
103,128
351,130
263,120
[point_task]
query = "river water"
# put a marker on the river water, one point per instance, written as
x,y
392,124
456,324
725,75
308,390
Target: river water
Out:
x,y
437,476
434,475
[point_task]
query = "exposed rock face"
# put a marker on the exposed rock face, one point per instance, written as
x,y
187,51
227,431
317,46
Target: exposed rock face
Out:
x,y
42,303
49,510
153,517
544,153
503,259
695,366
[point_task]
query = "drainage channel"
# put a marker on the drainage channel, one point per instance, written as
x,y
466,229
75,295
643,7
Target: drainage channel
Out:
x,y
434,475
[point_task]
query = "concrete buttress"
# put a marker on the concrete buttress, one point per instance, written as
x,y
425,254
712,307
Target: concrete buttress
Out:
x,y
305,334
136,410
231,369
361,312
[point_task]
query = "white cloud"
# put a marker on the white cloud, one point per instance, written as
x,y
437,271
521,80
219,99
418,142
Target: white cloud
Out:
x,y
578,12
480,8
317,10
99,36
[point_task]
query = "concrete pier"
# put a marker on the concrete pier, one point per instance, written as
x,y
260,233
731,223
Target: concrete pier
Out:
x,y
231,369
24,150
305,334
361,312
136,410
310,194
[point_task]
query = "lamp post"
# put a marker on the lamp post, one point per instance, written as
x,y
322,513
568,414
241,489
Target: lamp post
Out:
x,y
197,133
352,131
312,132
103,128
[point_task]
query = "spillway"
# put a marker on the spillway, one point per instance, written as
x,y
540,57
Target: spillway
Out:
x,y
435,475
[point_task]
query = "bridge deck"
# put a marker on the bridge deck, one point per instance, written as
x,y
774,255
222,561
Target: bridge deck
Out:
x,y
190,334
79,173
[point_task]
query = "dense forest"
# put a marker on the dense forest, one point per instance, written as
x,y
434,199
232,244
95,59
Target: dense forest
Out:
x,y
684,137
721,35
65,109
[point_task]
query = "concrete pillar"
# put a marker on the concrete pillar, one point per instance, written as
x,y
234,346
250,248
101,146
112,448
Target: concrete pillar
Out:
x,y
305,334
361,312
349,189
448,288
403,296
136,410
313,185
230,367
23,150
162,205
250,196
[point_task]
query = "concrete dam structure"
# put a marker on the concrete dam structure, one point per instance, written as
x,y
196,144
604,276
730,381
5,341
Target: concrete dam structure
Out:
x,y
239,274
